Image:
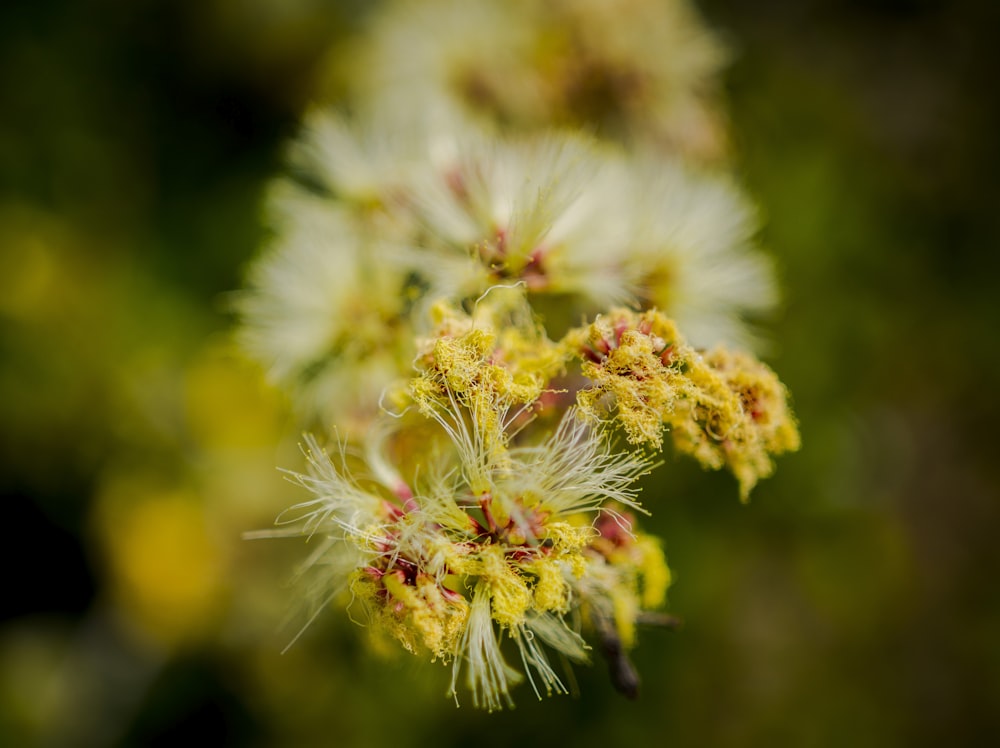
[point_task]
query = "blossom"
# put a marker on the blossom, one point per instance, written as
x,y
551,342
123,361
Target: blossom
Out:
x,y
590,227
497,537
725,408
495,202
326,310
692,253
532,65
501,173
453,566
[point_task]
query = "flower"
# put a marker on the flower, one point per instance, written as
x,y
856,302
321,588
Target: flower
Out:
x,y
326,309
691,252
725,409
433,255
591,227
496,201
492,539
531,65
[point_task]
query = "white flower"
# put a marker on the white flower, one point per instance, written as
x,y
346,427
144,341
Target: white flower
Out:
x,y
450,56
643,69
326,309
498,203
692,254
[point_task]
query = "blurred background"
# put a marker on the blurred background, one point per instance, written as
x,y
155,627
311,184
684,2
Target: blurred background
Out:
x,y
854,601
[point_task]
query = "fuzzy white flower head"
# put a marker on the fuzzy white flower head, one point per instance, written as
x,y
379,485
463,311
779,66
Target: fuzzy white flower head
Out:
x,y
496,205
455,56
597,228
367,161
641,69
692,253
354,161
648,68
326,308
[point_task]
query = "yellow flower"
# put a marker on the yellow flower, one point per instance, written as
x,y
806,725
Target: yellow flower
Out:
x,y
725,409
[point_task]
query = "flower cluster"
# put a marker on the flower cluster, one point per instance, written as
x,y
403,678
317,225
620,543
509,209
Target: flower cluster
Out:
x,y
489,313
634,69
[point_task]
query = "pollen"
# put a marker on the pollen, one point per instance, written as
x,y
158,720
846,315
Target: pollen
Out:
x,y
551,592
726,409
510,593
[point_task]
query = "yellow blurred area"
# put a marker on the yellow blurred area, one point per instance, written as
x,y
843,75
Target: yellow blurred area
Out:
x,y
164,569
227,403
29,680
26,275
242,430
176,562
40,258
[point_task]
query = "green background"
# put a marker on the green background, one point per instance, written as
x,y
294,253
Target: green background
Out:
x,y
854,601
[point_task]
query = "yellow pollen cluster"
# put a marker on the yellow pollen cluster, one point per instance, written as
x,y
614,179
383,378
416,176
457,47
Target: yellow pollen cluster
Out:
x,y
725,409
419,615
550,592
739,419
501,361
509,591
